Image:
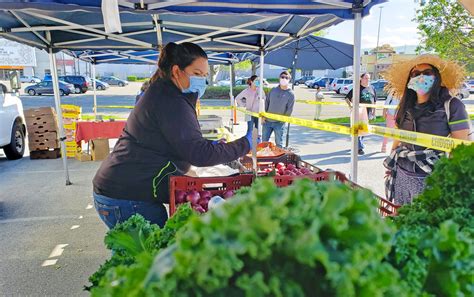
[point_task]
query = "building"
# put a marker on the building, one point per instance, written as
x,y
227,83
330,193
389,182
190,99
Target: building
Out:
x,y
376,61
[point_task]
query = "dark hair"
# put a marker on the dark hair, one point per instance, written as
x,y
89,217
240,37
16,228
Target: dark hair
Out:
x,y
285,72
251,79
172,54
363,74
437,96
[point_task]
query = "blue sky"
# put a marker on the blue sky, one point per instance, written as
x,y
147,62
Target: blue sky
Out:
x,y
397,27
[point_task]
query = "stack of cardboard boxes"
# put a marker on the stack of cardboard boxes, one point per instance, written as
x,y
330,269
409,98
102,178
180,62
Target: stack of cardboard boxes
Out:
x,y
42,133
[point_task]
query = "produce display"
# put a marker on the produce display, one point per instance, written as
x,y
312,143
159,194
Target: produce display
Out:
x,y
199,200
268,149
307,239
281,169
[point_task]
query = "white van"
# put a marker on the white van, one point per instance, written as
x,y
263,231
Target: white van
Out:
x,y
12,124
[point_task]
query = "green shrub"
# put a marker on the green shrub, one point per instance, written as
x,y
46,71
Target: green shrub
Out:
x,y
223,92
273,80
131,78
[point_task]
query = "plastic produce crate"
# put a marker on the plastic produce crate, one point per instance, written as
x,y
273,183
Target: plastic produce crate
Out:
x,y
286,159
386,208
216,185
210,123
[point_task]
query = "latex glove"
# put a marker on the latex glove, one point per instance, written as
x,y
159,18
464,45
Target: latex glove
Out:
x,y
222,140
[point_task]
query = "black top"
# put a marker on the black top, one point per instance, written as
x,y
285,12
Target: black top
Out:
x,y
431,118
367,95
161,137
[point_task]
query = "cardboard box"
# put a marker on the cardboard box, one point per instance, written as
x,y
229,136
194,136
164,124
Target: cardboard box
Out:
x,y
46,154
39,112
99,149
83,157
42,121
40,128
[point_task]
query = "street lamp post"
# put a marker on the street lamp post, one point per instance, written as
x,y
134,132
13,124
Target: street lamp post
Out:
x,y
377,47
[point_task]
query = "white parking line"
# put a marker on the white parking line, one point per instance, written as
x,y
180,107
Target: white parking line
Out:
x,y
58,250
89,206
75,227
49,262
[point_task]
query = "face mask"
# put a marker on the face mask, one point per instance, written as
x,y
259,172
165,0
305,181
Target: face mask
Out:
x,y
256,83
284,82
197,84
421,84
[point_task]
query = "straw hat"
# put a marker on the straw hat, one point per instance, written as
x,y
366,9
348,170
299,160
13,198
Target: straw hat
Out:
x,y
452,74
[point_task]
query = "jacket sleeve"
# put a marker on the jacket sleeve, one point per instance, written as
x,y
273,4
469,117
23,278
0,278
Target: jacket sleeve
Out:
x,y
349,96
180,128
239,97
290,105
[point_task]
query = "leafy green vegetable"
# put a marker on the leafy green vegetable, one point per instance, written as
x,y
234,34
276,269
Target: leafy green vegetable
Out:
x,y
449,193
309,239
135,239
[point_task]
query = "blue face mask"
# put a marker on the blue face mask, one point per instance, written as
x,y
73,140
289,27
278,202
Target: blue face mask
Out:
x,y
257,82
421,84
197,84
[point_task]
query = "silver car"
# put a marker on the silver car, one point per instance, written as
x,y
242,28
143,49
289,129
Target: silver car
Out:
x,y
464,92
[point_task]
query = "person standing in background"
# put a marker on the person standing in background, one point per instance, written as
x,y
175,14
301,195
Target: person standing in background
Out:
x,y
319,98
280,100
249,99
368,96
389,115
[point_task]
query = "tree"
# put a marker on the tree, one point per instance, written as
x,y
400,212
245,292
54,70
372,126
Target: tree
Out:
x,y
446,28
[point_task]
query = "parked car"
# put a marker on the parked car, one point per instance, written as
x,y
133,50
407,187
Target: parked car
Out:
x,y
239,81
464,91
323,82
379,86
304,79
338,83
80,82
46,87
470,84
100,85
114,81
12,125
29,79
310,82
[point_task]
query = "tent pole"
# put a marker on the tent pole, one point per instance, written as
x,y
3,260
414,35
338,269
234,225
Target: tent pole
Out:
x,y
94,88
356,94
261,105
62,138
231,96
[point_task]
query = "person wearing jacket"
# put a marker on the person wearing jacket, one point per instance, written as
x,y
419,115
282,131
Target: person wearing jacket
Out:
x,y
280,100
249,99
161,138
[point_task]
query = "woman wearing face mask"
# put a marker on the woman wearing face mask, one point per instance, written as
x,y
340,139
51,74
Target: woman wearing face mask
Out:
x,y
249,99
161,138
426,106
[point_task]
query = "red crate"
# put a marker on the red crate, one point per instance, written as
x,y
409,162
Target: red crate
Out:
x,y
216,185
286,159
386,208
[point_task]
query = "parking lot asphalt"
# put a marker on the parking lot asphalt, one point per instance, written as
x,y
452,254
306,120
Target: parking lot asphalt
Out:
x,y
52,239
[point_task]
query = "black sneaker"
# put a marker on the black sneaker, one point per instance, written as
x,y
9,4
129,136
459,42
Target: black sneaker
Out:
x,y
361,152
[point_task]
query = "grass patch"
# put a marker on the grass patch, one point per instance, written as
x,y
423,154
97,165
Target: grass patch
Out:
x,y
346,120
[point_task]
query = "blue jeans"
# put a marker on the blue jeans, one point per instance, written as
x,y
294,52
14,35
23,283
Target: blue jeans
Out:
x,y
113,211
278,128
360,140
252,123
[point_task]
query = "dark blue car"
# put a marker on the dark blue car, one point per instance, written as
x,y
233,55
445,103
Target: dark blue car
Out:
x,y
322,82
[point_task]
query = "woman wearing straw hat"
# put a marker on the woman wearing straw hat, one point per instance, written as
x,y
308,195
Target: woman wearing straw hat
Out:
x,y
424,85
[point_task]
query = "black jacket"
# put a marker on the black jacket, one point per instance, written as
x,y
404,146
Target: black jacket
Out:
x,y
162,137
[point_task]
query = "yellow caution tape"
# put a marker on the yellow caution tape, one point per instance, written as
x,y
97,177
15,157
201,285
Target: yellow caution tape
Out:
x,y
216,107
243,110
116,106
378,106
310,124
445,144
